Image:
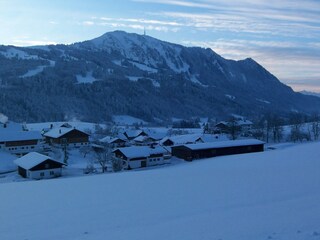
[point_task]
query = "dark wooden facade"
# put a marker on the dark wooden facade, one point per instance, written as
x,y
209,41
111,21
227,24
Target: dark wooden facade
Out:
x,y
189,154
74,136
21,143
47,165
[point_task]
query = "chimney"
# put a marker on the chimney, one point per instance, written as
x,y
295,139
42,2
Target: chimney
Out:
x,y
60,131
51,126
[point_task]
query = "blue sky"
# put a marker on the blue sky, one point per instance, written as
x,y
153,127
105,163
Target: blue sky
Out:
x,y
283,36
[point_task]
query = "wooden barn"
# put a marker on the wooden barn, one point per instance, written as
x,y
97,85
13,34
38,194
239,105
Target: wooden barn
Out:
x,y
190,152
70,136
37,166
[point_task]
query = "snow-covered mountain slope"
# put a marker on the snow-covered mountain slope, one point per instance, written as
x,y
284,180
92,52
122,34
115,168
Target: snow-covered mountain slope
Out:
x,y
268,195
123,73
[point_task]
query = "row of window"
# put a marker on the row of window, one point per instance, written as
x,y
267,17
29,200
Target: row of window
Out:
x,y
154,159
16,148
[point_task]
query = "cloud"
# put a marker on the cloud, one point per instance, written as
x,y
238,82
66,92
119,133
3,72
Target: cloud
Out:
x,y
26,42
134,23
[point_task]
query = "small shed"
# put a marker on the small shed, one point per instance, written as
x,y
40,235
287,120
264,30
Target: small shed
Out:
x,y
37,166
190,152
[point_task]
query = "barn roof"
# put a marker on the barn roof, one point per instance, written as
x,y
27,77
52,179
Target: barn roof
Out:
x,y
10,136
223,144
33,159
183,139
143,151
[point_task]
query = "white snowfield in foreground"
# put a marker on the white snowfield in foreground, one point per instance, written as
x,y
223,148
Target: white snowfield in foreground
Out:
x,y
269,195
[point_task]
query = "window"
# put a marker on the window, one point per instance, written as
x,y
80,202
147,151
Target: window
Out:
x,y
51,173
42,174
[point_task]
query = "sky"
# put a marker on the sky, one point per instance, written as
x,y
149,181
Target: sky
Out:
x,y
283,36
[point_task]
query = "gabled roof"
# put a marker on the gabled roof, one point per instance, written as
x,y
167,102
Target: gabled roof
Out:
x,y
59,132
133,133
33,159
136,152
182,139
223,144
10,136
109,139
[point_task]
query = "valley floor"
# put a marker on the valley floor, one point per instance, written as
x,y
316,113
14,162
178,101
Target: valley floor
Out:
x,y
269,195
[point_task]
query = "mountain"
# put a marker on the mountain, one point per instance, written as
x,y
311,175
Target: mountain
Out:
x,y
310,93
121,73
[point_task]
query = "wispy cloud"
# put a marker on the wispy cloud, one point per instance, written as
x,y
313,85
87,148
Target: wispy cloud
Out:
x,y
134,23
25,42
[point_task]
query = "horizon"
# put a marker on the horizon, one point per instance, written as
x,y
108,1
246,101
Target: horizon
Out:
x,y
282,37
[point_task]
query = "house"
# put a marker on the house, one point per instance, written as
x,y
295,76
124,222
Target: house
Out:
x,y
181,139
70,137
20,142
37,166
190,152
131,134
243,126
113,142
142,156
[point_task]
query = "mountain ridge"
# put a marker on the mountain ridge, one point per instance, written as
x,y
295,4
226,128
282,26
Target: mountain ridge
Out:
x,y
123,73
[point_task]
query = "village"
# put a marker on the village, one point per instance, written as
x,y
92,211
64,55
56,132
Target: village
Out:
x,y
52,150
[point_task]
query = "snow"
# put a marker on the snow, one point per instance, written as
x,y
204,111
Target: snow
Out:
x,y
144,67
127,44
263,101
34,72
31,160
268,195
230,97
7,136
154,82
88,78
6,162
83,126
194,79
16,53
127,120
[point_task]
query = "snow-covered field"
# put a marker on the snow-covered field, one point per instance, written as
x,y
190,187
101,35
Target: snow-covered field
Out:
x,y
269,195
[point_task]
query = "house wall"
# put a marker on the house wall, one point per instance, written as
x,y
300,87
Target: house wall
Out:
x,y
19,148
44,174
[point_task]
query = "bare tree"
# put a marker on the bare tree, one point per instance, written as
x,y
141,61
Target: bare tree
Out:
x,y
315,126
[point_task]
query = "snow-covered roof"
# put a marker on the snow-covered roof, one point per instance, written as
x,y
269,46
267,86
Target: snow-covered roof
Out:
x,y
10,126
9,136
133,133
143,151
222,144
59,132
182,139
109,139
32,159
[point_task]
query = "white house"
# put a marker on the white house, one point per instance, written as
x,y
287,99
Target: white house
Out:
x,y
37,166
20,142
142,156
